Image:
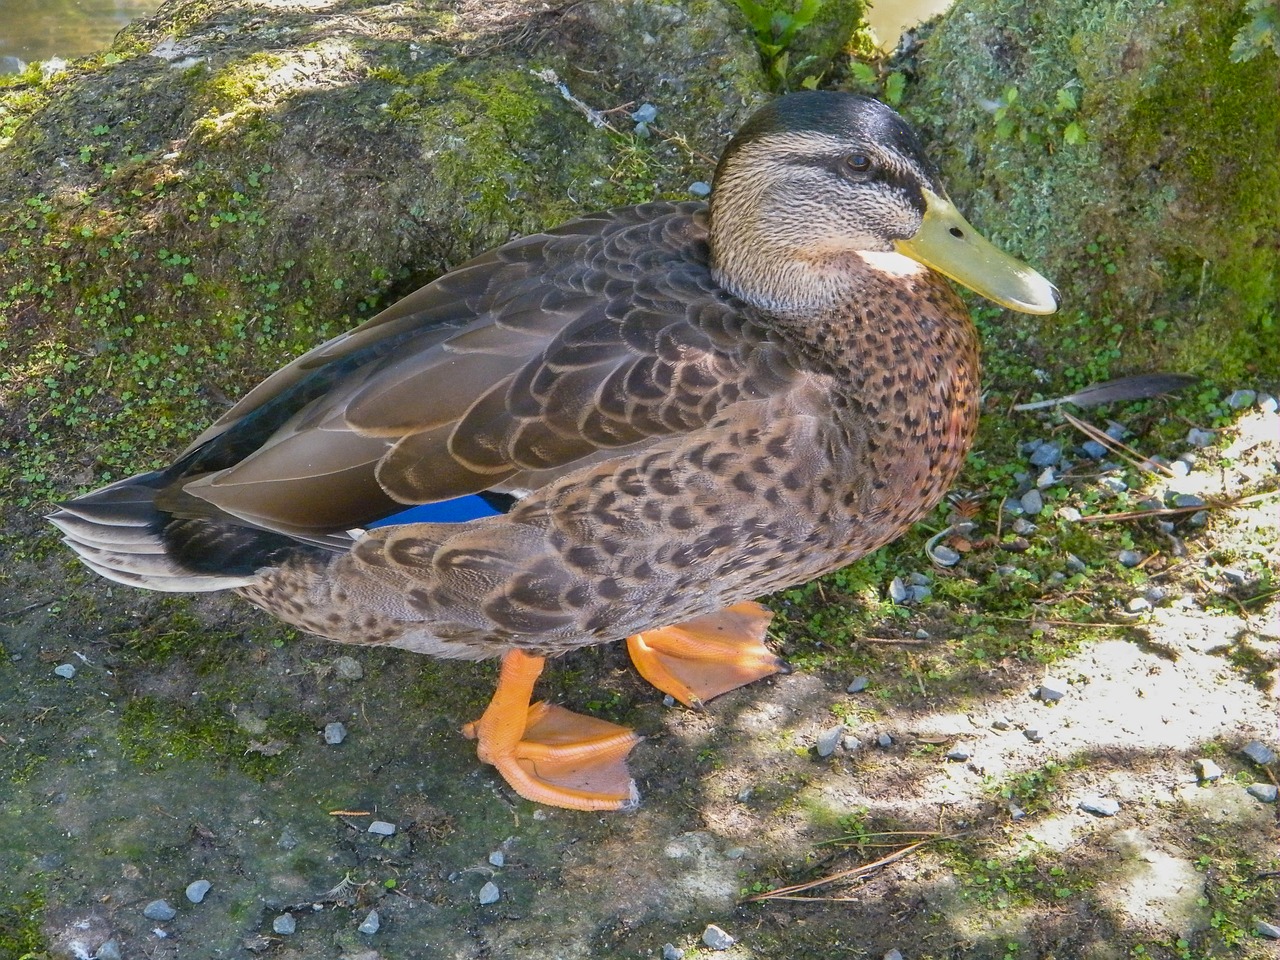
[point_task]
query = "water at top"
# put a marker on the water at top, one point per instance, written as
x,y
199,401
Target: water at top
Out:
x,y
39,29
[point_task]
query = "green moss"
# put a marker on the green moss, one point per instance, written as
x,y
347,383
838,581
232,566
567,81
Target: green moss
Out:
x,y
1117,147
21,916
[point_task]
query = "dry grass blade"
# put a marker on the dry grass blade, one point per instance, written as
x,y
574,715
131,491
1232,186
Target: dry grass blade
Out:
x,y
1111,443
790,893
1210,504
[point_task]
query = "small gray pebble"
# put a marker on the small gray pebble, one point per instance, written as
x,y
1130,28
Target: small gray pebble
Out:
x,y
1032,502
1093,449
497,859
1262,928
1012,508
1239,399
671,952
1033,734
1268,403
959,752
1006,569
1114,484
919,580
65,670
1208,770
858,685
717,939
287,840
489,893
745,794
1075,564
371,923
898,592
1258,752
945,556
885,740
1116,431
1000,724
1129,558
334,733
1180,468
1187,500
382,829
829,739
894,954
1031,446
284,924
1100,806
159,910
642,131
920,593
1047,478
1016,812
197,889
735,853
1266,792
645,113
700,188
1198,519
1046,455
1166,527
851,743
348,668
922,634
1199,438
1069,514
1024,526
1051,689
668,701
1237,577
1139,605
1157,594
109,951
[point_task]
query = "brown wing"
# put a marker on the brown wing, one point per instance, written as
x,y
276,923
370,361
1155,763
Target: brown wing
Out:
x,y
600,336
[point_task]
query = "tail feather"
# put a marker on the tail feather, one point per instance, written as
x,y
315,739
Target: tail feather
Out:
x,y
118,533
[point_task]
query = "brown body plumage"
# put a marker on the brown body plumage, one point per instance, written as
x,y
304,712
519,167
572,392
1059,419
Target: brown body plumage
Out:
x,y
683,409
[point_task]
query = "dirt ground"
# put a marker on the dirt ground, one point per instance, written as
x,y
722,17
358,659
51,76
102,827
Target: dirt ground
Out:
x,y
188,745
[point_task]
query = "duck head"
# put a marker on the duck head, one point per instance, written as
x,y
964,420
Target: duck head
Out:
x,y
818,187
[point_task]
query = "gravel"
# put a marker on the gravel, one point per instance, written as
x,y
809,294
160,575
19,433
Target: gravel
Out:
x,y
1129,558
1266,792
110,950
371,923
944,556
65,670
885,741
489,893
960,752
196,890
348,668
1258,752
1262,928
497,859
284,924
1208,770
1093,449
700,188
1032,502
334,733
829,739
1051,690
717,939
898,591
1240,399
1199,438
159,910
671,952
1046,455
858,684
382,829
1034,734
1100,806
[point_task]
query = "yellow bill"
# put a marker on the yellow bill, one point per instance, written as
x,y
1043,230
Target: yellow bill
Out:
x,y
947,243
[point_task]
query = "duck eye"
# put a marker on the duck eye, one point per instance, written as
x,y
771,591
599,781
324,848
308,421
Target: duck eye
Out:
x,y
857,163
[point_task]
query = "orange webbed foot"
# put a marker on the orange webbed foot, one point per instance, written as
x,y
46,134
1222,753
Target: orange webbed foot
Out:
x,y
702,658
549,754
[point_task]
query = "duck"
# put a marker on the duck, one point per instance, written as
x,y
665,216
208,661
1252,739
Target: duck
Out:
x,y
629,427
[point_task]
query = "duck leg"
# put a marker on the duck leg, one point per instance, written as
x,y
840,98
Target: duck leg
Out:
x,y
707,656
549,754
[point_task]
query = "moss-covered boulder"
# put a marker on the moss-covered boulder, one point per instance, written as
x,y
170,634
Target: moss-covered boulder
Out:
x,y
226,187
1125,150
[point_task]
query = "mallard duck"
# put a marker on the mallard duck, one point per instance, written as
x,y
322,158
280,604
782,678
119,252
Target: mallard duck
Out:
x,y
664,411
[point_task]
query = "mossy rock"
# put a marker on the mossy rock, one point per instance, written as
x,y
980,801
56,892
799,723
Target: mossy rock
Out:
x,y
1118,147
221,190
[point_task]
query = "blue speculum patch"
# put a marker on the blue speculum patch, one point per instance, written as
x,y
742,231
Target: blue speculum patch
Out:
x,y
458,510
